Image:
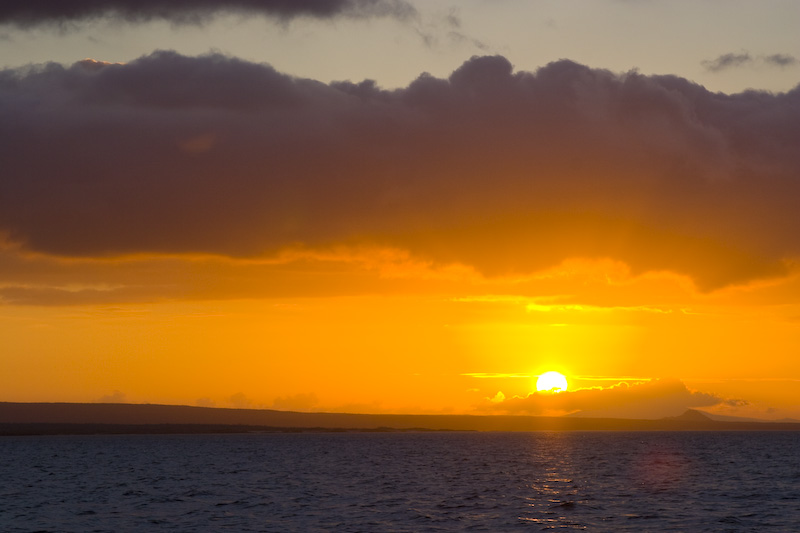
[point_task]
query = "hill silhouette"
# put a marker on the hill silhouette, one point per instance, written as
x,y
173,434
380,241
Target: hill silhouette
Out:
x,y
48,418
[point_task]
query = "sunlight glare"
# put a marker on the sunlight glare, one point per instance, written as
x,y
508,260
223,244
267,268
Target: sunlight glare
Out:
x,y
551,382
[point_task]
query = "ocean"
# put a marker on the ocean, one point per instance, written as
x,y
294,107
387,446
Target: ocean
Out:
x,y
593,481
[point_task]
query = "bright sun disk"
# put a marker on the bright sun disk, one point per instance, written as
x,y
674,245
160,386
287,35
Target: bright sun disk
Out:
x,y
551,382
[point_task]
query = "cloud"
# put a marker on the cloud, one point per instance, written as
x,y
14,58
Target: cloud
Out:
x,y
652,399
504,172
115,397
205,402
447,26
726,61
735,60
28,13
498,398
781,60
296,402
240,401
38,279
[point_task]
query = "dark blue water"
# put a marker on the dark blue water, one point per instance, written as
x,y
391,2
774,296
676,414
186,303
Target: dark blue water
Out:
x,y
402,482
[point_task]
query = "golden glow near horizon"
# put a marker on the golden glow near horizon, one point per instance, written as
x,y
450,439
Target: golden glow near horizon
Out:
x,y
419,351
551,381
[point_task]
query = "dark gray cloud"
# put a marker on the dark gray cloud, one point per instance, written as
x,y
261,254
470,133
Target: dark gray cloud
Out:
x,y
726,61
27,13
506,171
735,60
781,60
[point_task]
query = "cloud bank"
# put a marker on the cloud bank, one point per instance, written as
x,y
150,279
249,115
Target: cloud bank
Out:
x,y
653,399
504,171
28,13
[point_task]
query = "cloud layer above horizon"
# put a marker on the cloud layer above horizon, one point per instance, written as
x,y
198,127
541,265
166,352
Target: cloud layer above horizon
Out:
x,y
507,172
651,399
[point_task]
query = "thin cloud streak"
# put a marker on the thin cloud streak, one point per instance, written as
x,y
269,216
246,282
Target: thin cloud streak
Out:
x,y
494,375
735,60
29,13
726,61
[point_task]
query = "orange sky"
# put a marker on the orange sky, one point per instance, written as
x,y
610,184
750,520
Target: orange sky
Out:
x,y
381,332
209,230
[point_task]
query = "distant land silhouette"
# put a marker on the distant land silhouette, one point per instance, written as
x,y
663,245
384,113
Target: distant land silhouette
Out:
x,y
105,418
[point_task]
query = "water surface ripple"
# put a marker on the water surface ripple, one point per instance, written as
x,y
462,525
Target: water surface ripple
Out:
x,y
595,481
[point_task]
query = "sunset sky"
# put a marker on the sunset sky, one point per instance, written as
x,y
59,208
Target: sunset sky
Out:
x,y
402,206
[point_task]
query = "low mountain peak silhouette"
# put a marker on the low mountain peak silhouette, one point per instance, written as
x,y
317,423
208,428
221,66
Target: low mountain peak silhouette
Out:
x,y
691,415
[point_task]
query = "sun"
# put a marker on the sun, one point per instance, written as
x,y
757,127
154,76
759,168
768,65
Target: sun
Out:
x,y
551,382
